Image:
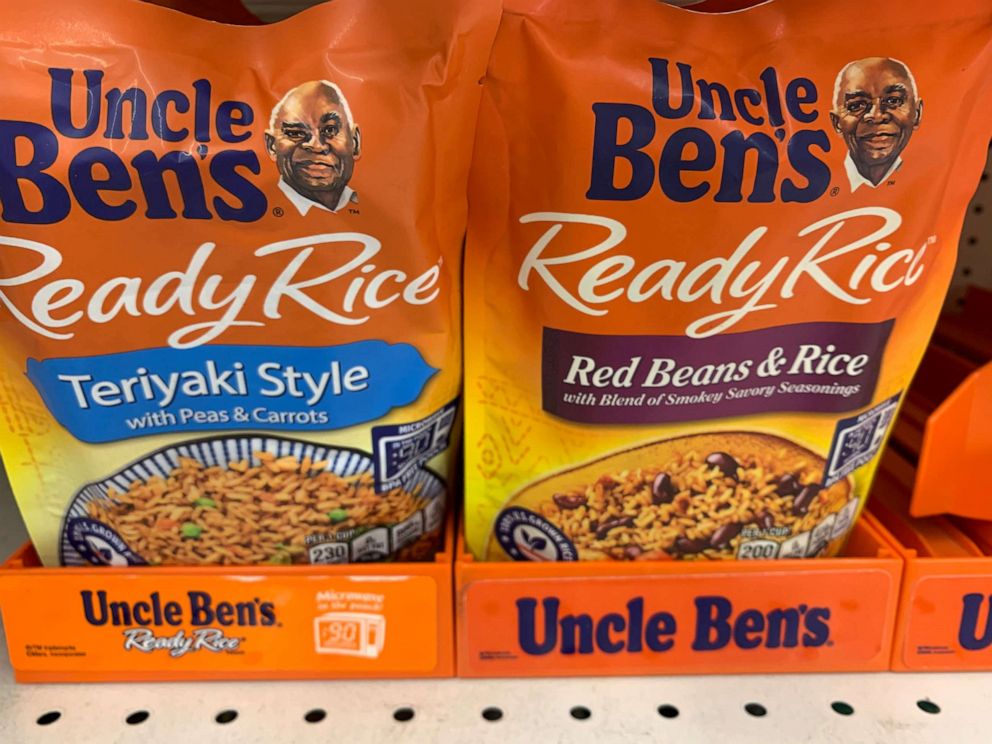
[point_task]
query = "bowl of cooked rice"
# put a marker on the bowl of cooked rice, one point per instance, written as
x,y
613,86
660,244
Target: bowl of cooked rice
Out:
x,y
251,499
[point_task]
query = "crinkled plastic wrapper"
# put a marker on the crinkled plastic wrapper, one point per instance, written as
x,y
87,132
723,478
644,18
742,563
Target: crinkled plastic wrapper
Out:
x,y
230,264
706,251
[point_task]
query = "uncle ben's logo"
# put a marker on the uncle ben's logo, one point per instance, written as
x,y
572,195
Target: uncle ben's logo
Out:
x,y
542,628
773,135
143,621
197,142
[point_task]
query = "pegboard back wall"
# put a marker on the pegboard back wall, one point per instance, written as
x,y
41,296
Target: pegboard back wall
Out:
x,y
975,256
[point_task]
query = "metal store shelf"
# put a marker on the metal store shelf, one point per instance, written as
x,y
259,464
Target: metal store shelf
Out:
x,y
622,710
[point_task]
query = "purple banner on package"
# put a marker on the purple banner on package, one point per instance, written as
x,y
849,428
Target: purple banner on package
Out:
x,y
807,367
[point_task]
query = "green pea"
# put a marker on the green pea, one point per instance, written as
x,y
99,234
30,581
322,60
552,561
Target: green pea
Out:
x,y
337,515
189,529
281,558
205,502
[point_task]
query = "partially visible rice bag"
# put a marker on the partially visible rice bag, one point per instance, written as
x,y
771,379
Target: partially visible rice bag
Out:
x,y
230,260
706,251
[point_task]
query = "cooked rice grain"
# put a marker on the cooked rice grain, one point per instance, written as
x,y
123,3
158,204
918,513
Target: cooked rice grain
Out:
x,y
257,511
704,499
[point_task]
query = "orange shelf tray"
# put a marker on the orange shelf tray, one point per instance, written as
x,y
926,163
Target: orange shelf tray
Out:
x,y
207,623
630,618
944,622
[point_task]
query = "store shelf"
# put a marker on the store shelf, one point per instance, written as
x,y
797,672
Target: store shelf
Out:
x,y
623,710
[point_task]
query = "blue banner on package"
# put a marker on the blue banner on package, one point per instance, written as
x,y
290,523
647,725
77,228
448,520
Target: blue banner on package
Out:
x,y
152,391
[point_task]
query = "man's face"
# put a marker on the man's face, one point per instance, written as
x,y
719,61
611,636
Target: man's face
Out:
x,y
876,111
313,142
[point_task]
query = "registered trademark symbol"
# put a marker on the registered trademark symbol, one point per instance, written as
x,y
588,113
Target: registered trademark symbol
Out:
x,y
277,212
830,643
835,191
891,183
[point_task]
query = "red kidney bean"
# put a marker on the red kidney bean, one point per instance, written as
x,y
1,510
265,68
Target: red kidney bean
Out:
x,y
722,537
727,464
685,545
569,500
765,520
805,499
787,485
612,524
663,490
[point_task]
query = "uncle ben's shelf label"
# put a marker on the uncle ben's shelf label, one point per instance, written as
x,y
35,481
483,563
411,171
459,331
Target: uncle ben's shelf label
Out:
x,y
121,625
690,622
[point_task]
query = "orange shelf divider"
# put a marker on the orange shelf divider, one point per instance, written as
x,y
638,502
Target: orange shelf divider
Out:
x,y
957,437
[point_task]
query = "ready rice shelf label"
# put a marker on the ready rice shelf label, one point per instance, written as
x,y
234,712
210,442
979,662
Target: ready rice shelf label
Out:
x,y
303,624
705,255
230,313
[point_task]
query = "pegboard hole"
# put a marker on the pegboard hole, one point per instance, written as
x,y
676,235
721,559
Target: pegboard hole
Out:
x,y
668,711
841,708
756,709
580,713
47,719
315,716
492,713
403,714
928,706
139,716
226,716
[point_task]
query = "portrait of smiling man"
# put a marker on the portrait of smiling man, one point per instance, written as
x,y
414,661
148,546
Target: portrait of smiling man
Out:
x,y
314,140
877,107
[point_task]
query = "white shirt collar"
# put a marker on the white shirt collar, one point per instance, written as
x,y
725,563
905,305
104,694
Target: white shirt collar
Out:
x,y
857,180
304,205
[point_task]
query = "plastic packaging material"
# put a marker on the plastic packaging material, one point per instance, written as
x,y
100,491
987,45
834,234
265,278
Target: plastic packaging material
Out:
x,y
223,11
230,263
706,251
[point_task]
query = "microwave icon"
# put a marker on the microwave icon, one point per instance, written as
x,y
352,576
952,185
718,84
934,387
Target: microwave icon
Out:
x,y
350,634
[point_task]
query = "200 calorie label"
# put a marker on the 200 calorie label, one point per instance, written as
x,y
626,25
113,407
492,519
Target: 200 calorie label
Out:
x,y
810,367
